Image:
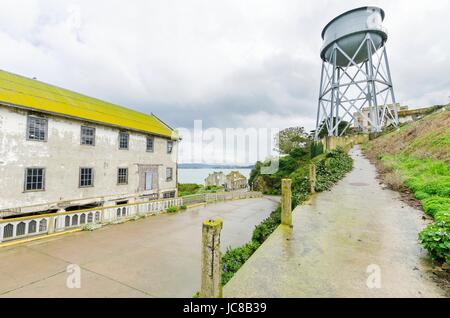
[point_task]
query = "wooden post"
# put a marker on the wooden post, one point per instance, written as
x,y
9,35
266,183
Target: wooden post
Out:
x,y
286,202
312,178
211,285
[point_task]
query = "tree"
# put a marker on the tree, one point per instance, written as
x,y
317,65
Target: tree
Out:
x,y
342,126
291,138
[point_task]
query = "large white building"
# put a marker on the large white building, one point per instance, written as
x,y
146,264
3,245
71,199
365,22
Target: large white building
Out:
x,y
60,150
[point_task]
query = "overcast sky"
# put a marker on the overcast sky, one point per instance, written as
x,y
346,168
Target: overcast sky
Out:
x,y
244,63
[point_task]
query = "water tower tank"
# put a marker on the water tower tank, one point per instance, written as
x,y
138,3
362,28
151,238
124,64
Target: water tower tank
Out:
x,y
356,91
349,29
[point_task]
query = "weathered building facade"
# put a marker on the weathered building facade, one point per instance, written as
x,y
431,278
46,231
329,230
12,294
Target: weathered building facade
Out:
x,y
217,179
236,181
60,150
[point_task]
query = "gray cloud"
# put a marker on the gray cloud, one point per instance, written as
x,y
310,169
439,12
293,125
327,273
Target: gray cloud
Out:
x,y
230,63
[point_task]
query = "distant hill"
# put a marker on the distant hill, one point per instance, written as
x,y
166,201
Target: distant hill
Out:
x,y
211,166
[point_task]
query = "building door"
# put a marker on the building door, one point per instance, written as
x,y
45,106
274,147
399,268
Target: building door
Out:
x,y
148,180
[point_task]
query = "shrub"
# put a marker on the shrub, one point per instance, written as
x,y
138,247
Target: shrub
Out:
x,y
183,207
420,195
172,209
436,240
266,227
234,258
435,204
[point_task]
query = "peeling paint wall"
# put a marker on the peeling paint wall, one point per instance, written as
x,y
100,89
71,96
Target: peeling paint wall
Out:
x,y
63,155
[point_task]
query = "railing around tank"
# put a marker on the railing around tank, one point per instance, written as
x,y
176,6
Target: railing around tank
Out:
x,y
30,226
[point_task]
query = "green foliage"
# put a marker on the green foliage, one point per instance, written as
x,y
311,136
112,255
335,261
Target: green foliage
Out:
x,y
234,258
183,207
429,179
185,189
316,149
436,204
266,227
435,238
291,138
172,209
188,188
332,168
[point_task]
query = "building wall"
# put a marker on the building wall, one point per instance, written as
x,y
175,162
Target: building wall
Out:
x,y
62,155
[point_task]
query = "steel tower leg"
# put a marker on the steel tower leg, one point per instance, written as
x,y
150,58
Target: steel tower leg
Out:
x,y
358,93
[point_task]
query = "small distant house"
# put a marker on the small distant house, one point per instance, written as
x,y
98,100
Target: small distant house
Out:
x,y
236,181
216,179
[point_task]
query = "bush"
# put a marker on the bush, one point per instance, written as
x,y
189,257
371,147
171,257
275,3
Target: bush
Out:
x,y
420,195
435,204
183,207
172,209
436,239
332,168
266,227
234,258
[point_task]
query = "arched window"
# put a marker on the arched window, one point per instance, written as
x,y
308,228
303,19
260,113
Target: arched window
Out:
x,y
20,229
97,216
75,220
32,226
90,217
67,221
83,218
8,231
118,212
43,225
124,211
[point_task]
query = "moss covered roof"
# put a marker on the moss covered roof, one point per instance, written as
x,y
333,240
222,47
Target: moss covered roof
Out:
x,y
31,94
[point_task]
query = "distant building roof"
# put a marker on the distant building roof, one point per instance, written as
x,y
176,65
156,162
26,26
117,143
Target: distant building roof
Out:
x,y
31,94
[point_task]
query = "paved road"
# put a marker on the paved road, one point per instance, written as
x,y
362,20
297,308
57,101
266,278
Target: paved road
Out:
x,y
154,257
335,238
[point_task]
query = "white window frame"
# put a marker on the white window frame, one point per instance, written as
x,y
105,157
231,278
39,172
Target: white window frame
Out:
x,y
170,145
119,176
124,133
26,177
35,117
152,149
167,174
92,178
86,136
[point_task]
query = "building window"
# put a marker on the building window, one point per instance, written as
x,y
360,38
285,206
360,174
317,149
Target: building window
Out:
x,y
87,136
150,143
169,146
123,140
34,179
169,195
43,225
37,128
86,177
169,174
122,176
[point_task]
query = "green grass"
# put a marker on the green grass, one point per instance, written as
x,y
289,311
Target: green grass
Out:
x,y
430,181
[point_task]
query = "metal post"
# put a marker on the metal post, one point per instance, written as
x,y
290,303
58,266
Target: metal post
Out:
x,y
211,280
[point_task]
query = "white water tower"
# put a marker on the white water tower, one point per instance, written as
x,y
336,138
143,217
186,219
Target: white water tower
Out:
x,y
356,85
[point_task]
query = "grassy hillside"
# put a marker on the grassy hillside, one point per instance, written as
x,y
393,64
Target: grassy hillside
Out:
x,y
417,158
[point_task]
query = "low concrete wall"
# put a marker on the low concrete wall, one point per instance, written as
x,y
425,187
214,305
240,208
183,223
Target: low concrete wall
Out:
x,y
331,142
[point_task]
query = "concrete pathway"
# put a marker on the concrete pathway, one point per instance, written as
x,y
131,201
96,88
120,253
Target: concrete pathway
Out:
x,y
154,257
341,240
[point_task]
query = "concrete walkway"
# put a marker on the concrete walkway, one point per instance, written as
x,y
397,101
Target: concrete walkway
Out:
x,y
336,238
154,257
